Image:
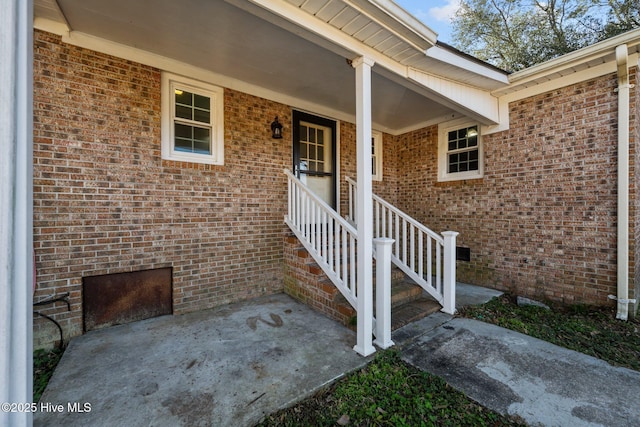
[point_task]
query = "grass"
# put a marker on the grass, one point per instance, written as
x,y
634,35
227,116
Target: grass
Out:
x,y
389,392
44,363
590,330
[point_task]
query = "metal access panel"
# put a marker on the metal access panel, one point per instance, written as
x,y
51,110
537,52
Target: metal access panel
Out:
x,y
115,299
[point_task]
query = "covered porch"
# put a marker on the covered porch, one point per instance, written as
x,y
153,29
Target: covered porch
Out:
x,y
362,66
105,187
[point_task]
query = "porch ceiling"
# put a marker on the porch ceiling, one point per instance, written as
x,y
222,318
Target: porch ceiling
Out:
x,y
243,41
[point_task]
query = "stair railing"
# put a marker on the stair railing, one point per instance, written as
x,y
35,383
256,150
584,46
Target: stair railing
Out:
x,y
427,258
332,242
328,237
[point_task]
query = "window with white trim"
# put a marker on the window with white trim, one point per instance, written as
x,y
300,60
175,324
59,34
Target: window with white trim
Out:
x,y
192,121
376,155
460,153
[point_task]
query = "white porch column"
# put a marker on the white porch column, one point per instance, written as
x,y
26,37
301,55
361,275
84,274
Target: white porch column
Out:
x,y
449,272
383,292
16,208
364,206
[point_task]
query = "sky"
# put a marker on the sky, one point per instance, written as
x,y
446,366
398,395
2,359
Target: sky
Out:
x,y
436,14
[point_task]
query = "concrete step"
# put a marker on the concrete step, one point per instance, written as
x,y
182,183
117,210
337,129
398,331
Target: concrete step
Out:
x,y
413,311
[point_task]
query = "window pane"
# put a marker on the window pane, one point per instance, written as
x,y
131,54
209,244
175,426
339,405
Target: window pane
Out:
x,y
473,155
303,133
452,145
473,141
184,112
183,97
312,135
202,102
202,134
201,147
183,145
320,138
202,116
320,152
473,165
453,168
452,136
192,139
183,131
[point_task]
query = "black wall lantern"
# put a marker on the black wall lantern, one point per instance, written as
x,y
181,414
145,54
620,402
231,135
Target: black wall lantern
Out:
x,y
276,129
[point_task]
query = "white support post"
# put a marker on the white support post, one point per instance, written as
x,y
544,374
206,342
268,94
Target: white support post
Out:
x,y
16,209
449,272
364,207
383,292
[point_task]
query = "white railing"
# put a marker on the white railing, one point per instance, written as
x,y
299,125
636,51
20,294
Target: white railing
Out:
x,y
427,258
326,235
332,242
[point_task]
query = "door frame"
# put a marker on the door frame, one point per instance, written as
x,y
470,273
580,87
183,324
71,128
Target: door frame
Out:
x,y
297,117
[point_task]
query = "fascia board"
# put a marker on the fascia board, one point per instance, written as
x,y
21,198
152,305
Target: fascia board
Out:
x,y
443,55
477,103
393,17
54,27
609,67
602,50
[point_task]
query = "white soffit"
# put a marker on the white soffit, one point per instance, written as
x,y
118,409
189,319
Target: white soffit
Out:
x,y
347,28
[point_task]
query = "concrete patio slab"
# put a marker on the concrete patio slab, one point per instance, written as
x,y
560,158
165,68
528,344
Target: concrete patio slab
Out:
x,y
223,367
232,365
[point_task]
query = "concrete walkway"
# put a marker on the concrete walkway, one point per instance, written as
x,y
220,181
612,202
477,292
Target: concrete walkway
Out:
x,y
231,366
515,374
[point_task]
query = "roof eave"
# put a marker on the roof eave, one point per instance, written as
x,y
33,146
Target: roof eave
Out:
x,y
599,50
401,22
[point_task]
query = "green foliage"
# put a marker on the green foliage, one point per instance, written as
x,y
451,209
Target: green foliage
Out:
x,y
389,392
44,363
623,16
590,330
516,34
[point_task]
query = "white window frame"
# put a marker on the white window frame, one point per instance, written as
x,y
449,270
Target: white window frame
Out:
x,y
443,152
377,144
171,82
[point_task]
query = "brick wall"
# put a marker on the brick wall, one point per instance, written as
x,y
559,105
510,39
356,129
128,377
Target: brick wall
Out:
x,y
542,221
387,188
105,202
634,214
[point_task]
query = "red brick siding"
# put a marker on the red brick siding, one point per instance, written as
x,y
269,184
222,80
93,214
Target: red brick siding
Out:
x,y
385,188
542,221
634,214
105,201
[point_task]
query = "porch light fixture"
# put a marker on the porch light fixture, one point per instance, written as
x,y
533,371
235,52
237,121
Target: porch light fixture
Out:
x,y
276,129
